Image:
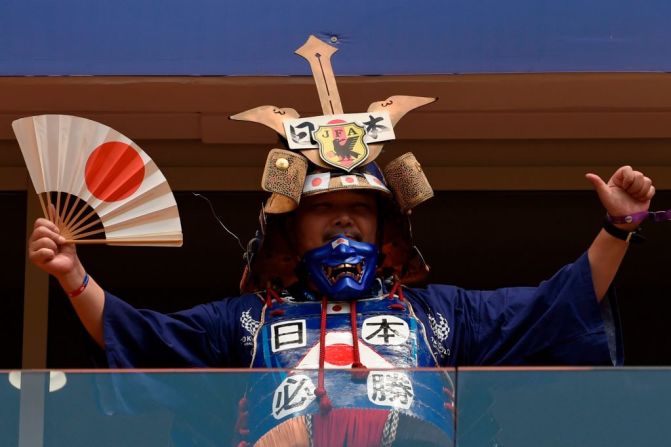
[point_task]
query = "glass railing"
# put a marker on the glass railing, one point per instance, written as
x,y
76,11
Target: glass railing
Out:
x,y
493,407
564,407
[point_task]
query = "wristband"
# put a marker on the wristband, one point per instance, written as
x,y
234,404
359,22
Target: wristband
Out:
x,y
79,290
636,218
633,237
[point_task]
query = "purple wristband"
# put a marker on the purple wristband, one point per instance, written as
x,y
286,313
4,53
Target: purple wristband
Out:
x,y
636,218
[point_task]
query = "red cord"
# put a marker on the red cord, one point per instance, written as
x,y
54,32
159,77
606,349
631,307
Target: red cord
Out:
x,y
392,292
397,288
324,401
241,423
272,295
355,337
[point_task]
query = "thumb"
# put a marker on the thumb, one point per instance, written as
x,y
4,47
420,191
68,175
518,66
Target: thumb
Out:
x,y
599,185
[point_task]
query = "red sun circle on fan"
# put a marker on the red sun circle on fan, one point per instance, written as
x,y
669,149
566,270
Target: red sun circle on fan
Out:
x,y
316,181
114,171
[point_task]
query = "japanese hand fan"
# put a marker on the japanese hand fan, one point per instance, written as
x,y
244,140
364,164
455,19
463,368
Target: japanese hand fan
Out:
x,y
103,187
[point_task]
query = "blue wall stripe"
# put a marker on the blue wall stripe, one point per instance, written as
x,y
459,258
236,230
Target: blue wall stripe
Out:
x,y
375,37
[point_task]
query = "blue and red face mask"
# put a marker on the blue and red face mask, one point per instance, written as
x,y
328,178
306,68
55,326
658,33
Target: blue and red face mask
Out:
x,y
342,269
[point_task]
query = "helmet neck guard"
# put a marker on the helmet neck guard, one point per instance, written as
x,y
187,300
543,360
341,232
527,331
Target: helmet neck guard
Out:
x,y
341,269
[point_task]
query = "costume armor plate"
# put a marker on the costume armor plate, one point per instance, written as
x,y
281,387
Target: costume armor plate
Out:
x,y
391,343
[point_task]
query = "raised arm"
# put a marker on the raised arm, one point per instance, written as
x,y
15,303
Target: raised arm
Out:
x,y
47,250
627,192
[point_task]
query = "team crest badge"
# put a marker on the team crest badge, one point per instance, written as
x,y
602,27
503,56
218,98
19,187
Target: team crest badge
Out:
x,y
341,144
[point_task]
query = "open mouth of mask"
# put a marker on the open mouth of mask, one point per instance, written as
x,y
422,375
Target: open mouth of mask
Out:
x,y
342,268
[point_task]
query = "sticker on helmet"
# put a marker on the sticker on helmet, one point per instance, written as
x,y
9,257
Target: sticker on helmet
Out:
x,y
317,182
377,127
349,180
341,144
375,182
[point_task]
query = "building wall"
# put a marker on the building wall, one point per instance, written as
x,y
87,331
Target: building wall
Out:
x,y
532,95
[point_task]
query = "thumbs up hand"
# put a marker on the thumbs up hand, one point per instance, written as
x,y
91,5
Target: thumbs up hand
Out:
x,y
627,192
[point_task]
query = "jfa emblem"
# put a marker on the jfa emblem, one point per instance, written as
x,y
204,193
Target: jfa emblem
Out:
x,y
294,394
341,144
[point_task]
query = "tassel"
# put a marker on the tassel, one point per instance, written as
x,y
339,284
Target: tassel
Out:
x,y
325,404
349,426
242,404
359,372
241,422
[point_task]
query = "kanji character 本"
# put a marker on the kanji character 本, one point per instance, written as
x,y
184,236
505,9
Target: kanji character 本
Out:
x,y
384,330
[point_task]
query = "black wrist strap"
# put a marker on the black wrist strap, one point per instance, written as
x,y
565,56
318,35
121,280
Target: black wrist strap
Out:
x,y
633,237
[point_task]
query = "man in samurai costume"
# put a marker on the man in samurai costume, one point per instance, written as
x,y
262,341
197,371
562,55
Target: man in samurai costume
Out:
x,y
327,287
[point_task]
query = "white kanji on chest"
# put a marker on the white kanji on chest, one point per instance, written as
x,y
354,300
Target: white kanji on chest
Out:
x,y
390,389
294,394
384,330
287,335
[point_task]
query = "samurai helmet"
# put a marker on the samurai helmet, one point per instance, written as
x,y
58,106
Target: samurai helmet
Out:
x,y
333,152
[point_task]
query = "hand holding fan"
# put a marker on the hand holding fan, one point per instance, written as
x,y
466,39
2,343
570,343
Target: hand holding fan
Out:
x,y
97,185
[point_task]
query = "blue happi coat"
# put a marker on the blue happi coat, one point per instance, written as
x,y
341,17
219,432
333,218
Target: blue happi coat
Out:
x,y
559,322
